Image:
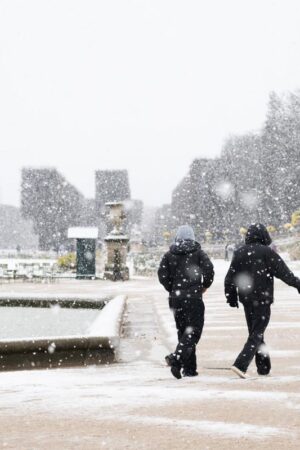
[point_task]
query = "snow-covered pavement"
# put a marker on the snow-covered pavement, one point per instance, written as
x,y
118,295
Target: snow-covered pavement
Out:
x,y
136,404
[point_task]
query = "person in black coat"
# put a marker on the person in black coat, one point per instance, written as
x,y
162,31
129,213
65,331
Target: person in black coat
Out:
x,y
186,272
250,280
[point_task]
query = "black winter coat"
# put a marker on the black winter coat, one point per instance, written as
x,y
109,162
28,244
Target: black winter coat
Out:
x,y
185,270
250,277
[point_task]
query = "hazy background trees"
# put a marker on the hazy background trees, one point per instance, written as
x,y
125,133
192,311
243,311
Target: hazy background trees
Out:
x,y
256,178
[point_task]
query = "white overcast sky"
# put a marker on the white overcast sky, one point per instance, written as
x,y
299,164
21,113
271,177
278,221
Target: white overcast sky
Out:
x,y
143,85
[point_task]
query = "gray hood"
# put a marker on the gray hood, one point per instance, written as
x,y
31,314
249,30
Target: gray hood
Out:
x,y
185,233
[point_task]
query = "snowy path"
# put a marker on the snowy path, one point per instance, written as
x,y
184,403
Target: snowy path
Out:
x,y
136,404
140,333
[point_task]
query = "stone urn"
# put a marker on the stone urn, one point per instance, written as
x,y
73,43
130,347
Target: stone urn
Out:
x,y
116,244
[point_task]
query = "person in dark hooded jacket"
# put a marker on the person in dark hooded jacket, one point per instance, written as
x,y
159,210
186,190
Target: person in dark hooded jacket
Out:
x,y
250,280
186,272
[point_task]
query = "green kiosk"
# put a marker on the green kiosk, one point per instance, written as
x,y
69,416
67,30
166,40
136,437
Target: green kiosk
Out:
x,y
86,238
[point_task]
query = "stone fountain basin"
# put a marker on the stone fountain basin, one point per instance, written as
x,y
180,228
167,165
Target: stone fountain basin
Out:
x,y
39,323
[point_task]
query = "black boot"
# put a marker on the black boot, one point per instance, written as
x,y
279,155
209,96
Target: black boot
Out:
x,y
263,363
176,371
175,365
169,359
189,373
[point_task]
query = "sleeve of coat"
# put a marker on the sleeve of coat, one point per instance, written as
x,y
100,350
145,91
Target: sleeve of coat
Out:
x,y
207,270
230,287
280,270
164,275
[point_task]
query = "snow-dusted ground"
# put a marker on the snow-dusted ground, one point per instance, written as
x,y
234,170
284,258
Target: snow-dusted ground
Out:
x,y
136,404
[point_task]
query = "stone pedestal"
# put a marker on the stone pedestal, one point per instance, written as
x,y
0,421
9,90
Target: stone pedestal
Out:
x,y
115,268
116,245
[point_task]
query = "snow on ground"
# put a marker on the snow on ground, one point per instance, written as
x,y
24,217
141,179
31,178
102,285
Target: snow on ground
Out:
x,y
136,404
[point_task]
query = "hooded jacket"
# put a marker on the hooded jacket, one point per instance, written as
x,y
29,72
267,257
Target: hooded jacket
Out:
x,y
185,270
250,277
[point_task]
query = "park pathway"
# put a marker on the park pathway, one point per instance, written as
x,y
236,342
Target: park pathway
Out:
x,y
136,403
142,338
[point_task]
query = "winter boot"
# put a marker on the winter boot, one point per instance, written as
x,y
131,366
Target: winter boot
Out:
x,y
189,373
263,363
169,359
176,371
175,365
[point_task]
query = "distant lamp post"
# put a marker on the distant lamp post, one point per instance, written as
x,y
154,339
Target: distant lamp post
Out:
x,y
243,231
295,219
271,229
208,236
166,235
116,244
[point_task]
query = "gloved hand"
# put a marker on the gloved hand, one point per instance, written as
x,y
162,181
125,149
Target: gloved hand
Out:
x,y
233,304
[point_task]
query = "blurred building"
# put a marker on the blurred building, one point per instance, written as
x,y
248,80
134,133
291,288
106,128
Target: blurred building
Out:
x,y
52,204
88,213
134,212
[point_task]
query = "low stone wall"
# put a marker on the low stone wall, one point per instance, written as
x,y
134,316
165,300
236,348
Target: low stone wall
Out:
x,y
98,345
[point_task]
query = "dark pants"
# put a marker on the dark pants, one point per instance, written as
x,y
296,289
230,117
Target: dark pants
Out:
x,y
257,317
189,319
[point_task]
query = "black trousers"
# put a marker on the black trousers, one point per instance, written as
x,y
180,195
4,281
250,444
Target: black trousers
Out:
x,y
189,319
257,317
